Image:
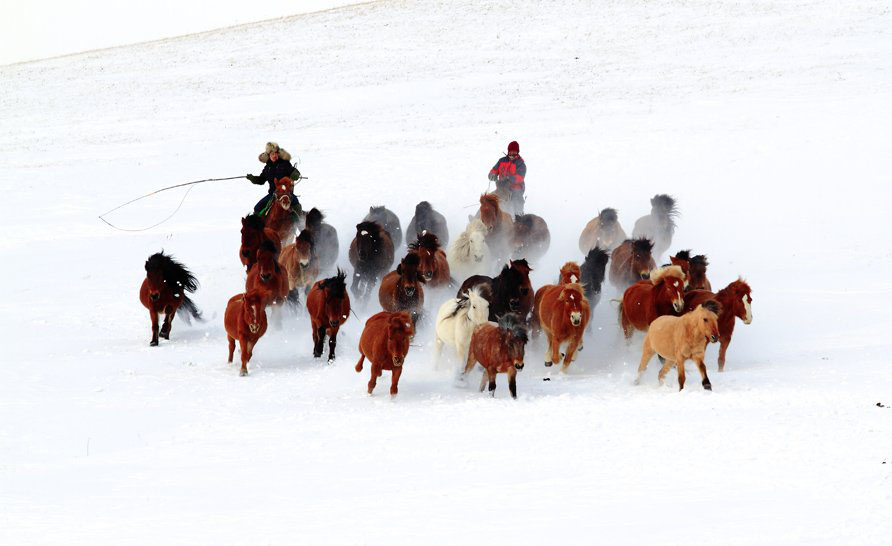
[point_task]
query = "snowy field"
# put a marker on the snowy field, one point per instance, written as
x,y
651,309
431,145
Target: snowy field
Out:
x,y
768,121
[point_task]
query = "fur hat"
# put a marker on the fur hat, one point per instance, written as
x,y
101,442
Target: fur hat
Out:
x,y
513,146
270,148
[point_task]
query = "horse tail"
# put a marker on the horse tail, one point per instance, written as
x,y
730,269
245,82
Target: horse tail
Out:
x,y
191,310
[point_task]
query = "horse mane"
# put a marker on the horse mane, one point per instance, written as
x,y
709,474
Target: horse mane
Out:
x,y
490,200
664,205
306,235
427,241
593,268
607,217
269,246
172,271
737,287
511,322
712,306
378,209
699,259
314,219
411,261
423,208
683,255
642,244
373,228
336,285
254,221
661,273
521,265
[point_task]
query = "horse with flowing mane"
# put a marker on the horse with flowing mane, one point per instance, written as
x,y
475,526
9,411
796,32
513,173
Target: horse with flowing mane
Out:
x,y
469,253
164,290
563,313
509,292
433,265
659,225
644,301
499,225
254,232
736,301
602,231
677,339
329,307
631,262
593,269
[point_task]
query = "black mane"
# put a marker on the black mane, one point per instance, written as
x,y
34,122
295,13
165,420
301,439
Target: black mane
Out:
x,y
683,255
607,217
426,240
254,221
314,219
172,271
699,259
511,322
643,245
373,228
423,208
712,305
664,206
336,285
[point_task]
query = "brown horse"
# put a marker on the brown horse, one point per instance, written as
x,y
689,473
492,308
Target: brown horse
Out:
x,y
509,292
281,216
570,273
403,289
301,263
267,277
385,341
499,225
329,308
643,302
499,348
659,225
564,313
695,268
736,301
530,237
631,262
254,232
602,231
433,266
245,321
371,254
677,339
164,291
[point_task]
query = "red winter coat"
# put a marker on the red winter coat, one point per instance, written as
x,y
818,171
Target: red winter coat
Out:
x,y
514,171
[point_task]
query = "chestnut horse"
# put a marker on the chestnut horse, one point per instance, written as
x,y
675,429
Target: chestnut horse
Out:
x,y
267,277
434,266
563,313
530,237
677,339
602,231
736,301
300,263
695,269
659,225
570,273
509,292
593,269
371,254
325,239
164,291
469,253
631,262
280,216
403,289
499,228
643,302
385,341
499,348
245,321
254,232
329,308
426,219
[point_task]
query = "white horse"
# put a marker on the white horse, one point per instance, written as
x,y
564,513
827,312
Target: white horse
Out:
x,y
469,254
456,321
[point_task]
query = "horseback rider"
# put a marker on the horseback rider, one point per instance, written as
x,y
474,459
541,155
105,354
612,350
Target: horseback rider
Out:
x,y
278,165
508,174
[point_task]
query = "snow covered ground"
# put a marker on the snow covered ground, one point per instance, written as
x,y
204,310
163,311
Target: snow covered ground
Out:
x,y
768,121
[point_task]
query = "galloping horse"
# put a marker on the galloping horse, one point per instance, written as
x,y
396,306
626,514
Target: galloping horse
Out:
x,y
469,254
499,348
329,308
659,225
456,320
164,291
433,263
593,269
736,301
385,341
695,269
563,313
403,289
530,238
631,262
677,339
254,232
509,292
499,225
280,216
301,263
428,220
371,254
385,218
643,302
602,231
325,239
570,273
245,321
267,277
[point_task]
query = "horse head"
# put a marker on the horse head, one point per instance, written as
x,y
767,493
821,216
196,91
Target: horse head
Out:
x,y
334,290
266,262
254,310
571,299
489,210
410,278
304,247
426,247
570,273
641,258
707,317
669,282
698,270
743,300
478,307
683,260
399,334
252,234
593,270
284,188
368,240
514,336
155,275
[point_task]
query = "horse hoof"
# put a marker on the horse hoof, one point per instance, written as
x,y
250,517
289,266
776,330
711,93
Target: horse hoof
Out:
x,y
330,361
548,364
242,373
153,344
707,386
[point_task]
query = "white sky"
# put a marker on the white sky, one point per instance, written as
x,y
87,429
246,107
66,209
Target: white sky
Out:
x,y
35,29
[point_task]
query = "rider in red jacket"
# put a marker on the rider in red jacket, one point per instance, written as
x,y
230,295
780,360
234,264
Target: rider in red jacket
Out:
x,y
508,173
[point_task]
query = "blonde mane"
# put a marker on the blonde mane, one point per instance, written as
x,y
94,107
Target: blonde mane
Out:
x,y
658,274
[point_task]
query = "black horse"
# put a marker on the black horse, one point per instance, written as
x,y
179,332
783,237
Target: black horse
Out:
x,y
426,219
371,254
593,271
325,237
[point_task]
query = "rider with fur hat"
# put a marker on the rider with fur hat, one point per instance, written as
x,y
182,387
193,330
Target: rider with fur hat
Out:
x,y
508,174
278,165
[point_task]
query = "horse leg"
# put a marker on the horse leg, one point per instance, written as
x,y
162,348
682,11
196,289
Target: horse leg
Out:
x,y
376,371
555,347
492,384
484,379
702,367
571,352
723,347
231,348
667,365
318,340
165,327
395,380
358,367
332,343
512,381
245,348
438,352
647,353
154,316
679,365
472,359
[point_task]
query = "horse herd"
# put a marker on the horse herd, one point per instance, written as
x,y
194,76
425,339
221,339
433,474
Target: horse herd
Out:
x,y
494,311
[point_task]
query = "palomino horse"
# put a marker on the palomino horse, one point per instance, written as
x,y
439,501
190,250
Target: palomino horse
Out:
x,y
659,225
371,254
164,291
469,254
643,302
267,277
593,269
677,339
245,321
602,231
631,262
254,232
563,313
329,308
530,237
499,225
385,341
301,264
456,321
325,239
280,216
428,220
433,265
499,348
509,292
736,301
385,218
403,289
695,269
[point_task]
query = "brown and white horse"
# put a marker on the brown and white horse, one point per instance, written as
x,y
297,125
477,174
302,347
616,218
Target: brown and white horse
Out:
x,y
643,302
563,313
736,300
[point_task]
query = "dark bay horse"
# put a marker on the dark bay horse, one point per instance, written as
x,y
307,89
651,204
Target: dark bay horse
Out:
x,y
325,237
530,237
403,289
509,292
433,264
736,301
631,262
662,294
329,308
254,232
386,218
695,268
659,225
164,290
371,254
593,269
426,219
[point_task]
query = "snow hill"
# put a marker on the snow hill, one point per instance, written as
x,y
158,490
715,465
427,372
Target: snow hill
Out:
x,y
768,121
